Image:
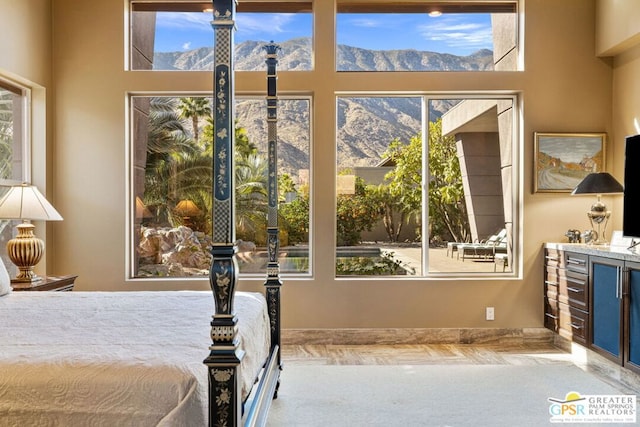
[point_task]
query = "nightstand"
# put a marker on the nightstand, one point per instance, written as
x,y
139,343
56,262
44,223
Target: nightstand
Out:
x,y
49,283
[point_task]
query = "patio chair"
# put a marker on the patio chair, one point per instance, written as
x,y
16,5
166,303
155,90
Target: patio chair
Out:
x,y
502,259
453,247
486,249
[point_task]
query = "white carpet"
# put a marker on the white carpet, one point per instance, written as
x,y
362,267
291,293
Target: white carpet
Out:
x,y
426,395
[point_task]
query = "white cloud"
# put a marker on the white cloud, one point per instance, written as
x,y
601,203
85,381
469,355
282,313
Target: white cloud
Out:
x,y
365,23
180,20
186,46
456,33
270,23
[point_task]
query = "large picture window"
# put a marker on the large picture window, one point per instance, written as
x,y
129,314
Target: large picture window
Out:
x,y
172,185
423,164
420,197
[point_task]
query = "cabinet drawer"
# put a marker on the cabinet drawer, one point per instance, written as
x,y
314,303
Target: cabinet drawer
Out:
x,y
551,314
573,323
578,263
553,274
555,292
551,277
551,292
575,287
570,288
553,258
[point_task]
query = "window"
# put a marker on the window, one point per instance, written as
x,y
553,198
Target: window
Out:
x,y
14,148
426,37
172,184
178,36
403,152
13,132
410,190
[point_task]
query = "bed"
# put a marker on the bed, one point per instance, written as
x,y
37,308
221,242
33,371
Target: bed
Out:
x,y
136,358
116,358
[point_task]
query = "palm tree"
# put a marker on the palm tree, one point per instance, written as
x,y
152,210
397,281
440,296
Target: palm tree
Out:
x,y
195,108
167,143
251,197
179,168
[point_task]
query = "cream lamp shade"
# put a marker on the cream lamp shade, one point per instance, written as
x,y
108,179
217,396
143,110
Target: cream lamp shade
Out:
x,y
26,203
142,211
187,208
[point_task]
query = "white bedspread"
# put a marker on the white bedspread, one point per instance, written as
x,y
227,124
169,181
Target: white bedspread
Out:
x,y
116,358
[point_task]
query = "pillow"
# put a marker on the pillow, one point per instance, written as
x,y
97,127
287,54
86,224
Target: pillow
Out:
x,y
5,282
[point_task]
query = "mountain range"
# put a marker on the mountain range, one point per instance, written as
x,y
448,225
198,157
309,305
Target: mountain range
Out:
x,y
366,125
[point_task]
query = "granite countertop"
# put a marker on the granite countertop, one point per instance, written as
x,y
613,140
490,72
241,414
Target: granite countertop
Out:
x,y
616,252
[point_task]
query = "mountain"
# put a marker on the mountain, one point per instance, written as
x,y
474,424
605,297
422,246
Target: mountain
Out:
x,y
366,126
295,55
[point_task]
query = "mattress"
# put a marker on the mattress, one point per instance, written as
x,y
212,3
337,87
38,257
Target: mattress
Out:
x,y
116,358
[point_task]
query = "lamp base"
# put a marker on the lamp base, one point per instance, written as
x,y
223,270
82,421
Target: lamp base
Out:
x,y
599,218
25,251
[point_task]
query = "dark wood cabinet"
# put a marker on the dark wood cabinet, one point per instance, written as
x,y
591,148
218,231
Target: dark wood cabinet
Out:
x,y
566,289
50,283
592,297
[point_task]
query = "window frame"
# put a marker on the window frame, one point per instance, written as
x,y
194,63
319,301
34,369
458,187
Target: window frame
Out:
x,y
24,94
131,204
251,6
441,7
324,83
515,178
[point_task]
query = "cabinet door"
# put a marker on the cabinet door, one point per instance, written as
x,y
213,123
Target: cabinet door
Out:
x,y
632,335
606,307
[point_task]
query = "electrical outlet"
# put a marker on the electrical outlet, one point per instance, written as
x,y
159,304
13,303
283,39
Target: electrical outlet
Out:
x,y
490,313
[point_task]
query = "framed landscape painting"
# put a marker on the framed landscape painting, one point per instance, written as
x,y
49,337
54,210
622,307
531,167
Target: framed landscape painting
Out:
x,y
562,160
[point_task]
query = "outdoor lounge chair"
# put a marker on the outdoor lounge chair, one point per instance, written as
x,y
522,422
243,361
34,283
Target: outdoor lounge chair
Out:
x,y
486,249
453,247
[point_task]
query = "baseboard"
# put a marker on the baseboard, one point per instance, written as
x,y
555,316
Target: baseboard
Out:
x,y
369,336
607,369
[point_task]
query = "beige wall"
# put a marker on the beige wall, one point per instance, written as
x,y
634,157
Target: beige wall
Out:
x,y
25,48
617,26
618,35
564,88
25,58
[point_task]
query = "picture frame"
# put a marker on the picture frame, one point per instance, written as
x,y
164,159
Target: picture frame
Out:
x,y
562,160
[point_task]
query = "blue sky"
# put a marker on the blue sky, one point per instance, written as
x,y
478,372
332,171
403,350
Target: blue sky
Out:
x,y
459,34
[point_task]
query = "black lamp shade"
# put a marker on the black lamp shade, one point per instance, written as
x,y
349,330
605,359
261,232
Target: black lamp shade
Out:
x,y
598,183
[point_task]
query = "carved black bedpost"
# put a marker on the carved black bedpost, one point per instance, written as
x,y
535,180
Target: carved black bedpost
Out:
x,y
225,402
273,282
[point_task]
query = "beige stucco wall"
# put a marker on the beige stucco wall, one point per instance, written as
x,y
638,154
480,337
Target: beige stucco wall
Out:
x,y
90,166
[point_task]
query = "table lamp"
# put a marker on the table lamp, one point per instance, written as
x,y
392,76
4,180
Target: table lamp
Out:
x,y
26,203
599,183
187,209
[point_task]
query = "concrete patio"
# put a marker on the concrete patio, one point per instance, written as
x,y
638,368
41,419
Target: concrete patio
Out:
x,y
441,262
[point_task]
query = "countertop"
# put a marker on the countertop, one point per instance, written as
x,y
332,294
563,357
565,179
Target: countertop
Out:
x,y
616,252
